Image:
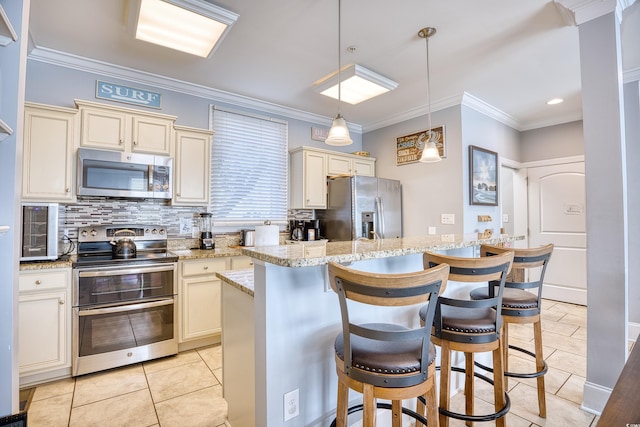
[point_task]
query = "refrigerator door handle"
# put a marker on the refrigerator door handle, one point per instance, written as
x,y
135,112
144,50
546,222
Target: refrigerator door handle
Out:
x,y
379,230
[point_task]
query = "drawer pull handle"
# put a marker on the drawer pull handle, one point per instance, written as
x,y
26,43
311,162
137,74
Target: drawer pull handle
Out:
x,y
206,267
38,282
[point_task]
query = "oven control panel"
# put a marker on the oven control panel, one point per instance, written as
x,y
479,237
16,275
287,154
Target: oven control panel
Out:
x,y
99,233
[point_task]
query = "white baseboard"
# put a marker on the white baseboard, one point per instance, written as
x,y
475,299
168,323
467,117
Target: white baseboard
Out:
x,y
569,295
633,330
595,397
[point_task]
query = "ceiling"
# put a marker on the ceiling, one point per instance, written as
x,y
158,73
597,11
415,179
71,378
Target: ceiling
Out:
x,y
510,56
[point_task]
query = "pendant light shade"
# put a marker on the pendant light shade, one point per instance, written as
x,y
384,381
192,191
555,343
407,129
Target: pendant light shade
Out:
x,y
430,153
339,132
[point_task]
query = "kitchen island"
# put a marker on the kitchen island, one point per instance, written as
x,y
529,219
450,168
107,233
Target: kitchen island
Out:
x,y
279,328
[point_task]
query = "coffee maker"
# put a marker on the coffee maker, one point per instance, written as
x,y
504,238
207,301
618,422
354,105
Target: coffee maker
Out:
x,y
312,229
206,236
296,226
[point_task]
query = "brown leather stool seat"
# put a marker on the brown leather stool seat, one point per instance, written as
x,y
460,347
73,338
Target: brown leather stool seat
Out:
x,y
384,357
521,303
384,360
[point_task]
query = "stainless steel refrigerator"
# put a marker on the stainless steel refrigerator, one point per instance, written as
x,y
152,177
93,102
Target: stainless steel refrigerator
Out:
x,y
362,207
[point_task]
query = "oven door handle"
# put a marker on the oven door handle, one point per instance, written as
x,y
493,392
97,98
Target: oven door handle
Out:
x,y
127,307
119,271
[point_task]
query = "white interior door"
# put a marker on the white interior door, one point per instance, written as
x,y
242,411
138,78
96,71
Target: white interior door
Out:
x,y
557,215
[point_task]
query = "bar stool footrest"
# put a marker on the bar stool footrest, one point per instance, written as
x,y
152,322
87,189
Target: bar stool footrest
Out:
x,y
381,405
477,418
517,374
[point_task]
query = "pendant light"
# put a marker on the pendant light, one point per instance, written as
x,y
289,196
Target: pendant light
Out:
x,y
430,152
339,133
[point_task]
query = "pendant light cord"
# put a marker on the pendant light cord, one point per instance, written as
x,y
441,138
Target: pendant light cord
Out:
x,y
428,93
339,56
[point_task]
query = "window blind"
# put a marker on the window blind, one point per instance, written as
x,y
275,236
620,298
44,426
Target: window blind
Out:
x,y
248,169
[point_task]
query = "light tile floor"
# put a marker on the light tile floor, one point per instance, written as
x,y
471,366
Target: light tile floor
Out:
x,y
183,390
564,332
186,390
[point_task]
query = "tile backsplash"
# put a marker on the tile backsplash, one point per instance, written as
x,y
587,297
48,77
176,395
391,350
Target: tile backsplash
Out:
x,y
99,211
102,211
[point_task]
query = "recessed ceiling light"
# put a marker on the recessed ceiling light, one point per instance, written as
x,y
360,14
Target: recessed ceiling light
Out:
x,y
555,101
358,84
190,26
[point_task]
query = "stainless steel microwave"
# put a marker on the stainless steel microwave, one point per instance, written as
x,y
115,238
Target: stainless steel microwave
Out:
x,y
39,233
124,175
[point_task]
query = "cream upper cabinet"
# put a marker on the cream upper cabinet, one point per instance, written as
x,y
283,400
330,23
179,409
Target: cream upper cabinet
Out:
x,y
124,129
50,139
340,164
44,322
192,166
364,166
309,168
308,179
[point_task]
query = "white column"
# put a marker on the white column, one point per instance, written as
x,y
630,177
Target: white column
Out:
x,y
607,257
632,130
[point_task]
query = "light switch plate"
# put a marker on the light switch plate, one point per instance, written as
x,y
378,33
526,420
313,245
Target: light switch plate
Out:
x,y
431,230
505,217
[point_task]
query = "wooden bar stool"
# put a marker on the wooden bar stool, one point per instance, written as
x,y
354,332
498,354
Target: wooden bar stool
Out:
x,y
470,327
385,360
521,303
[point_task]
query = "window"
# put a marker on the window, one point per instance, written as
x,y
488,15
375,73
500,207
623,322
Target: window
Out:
x,y
248,169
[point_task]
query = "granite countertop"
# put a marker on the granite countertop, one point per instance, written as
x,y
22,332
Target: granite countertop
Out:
x,y
206,253
45,265
241,279
308,254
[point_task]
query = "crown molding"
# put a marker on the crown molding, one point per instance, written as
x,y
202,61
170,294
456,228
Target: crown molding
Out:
x,y
586,10
76,62
489,110
631,75
412,113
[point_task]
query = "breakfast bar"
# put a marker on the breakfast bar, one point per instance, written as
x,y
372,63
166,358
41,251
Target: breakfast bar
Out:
x,y
280,320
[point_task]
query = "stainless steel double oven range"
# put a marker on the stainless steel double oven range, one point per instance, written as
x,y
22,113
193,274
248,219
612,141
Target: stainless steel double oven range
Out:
x,y
124,308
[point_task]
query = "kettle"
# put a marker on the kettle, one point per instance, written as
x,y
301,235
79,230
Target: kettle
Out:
x,y
247,237
124,247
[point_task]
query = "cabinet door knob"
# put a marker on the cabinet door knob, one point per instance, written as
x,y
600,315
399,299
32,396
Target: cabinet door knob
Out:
x,y
206,267
135,142
61,301
121,142
38,282
68,190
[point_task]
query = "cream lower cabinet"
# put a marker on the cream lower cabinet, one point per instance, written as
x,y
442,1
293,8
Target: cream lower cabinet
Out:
x,y
192,167
44,322
199,296
48,153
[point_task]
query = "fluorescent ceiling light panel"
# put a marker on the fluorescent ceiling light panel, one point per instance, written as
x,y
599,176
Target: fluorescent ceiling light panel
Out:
x,y
358,84
190,26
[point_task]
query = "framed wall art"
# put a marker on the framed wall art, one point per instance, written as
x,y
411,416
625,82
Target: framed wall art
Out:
x,y
409,147
483,176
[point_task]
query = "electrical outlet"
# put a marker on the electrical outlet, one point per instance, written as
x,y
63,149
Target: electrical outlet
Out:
x,y
448,237
505,217
291,404
431,230
449,219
